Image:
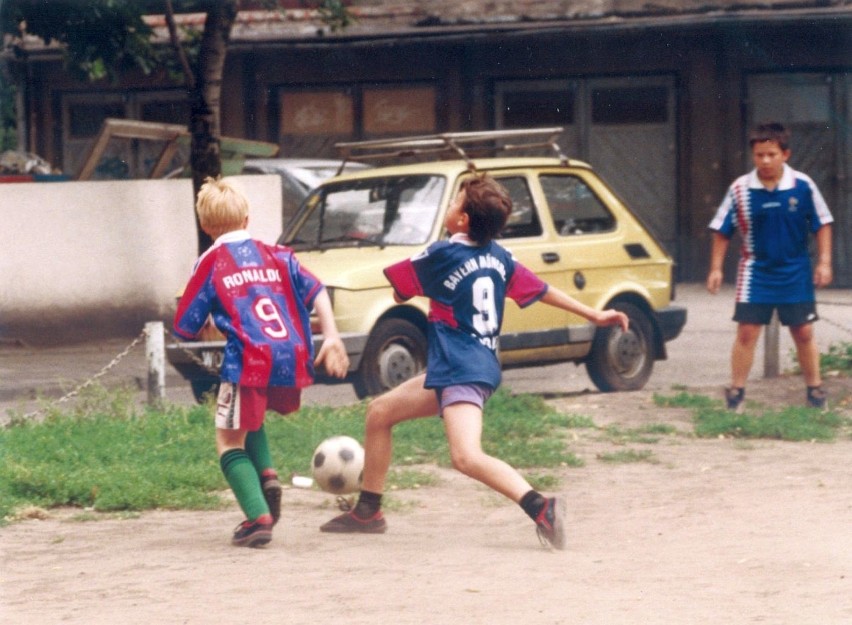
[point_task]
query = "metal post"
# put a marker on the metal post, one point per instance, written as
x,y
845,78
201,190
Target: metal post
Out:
x,y
771,360
155,352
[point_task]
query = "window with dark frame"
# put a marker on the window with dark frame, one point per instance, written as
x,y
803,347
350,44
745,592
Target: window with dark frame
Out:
x,y
86,119
166,112
527,108
630,105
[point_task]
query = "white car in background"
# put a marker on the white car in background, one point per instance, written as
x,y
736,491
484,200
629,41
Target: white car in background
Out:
x,y
299,176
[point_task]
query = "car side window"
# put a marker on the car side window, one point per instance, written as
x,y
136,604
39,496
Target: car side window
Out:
x,y
524,220
574,207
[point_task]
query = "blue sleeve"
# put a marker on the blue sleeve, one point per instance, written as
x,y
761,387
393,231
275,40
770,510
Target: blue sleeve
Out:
x,y
196,302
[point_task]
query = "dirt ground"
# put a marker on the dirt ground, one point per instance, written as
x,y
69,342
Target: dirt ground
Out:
x,y
709,531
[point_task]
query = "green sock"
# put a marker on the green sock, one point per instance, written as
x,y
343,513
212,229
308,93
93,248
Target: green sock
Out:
x,y
244,481
257,448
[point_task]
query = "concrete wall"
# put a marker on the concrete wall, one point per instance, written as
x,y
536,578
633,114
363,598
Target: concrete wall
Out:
x,y
80,260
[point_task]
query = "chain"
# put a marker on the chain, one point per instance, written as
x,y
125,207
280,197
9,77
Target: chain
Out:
x,y
76,391
835,324
831,322
833,303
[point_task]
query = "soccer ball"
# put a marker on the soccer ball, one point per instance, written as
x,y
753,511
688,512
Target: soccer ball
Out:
x,y
338,465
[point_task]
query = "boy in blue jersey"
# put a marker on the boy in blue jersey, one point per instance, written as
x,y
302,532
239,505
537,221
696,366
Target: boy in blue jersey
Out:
x,y
259,297
775,209
467,279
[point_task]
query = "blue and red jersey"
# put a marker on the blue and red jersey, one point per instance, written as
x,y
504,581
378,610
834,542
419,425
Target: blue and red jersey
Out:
x,y
467,286
775,265
260,298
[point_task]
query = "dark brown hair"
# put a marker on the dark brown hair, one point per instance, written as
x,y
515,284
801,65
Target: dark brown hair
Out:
x,y
488,205
770,131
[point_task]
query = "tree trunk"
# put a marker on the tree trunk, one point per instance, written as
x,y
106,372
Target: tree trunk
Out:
x,y
205,101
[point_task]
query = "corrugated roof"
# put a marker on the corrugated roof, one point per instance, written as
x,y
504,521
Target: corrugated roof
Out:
x,y
429,18
403,19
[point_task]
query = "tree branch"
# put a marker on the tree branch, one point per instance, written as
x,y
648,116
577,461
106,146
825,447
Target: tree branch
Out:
x,y
181,53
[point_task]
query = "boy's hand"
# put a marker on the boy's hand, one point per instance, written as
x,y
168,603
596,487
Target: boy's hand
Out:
x,y
714,281
333,357
822,275
611,317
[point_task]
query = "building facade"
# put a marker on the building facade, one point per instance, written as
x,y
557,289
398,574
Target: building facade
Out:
x,y
659,100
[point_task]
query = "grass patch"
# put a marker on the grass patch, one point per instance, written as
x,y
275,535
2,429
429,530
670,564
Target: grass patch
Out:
x,y
412,478
543,481
646,434
625,456
793,423
837,358
684,399
788,424
107,454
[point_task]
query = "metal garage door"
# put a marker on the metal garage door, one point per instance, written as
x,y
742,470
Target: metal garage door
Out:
x,y
812,105
624,127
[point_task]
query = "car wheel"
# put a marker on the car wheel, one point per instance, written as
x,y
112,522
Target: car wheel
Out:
x,y
622,361
202,388
395,352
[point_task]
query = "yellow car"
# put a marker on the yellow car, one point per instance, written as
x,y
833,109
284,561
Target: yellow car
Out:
x,y
567,226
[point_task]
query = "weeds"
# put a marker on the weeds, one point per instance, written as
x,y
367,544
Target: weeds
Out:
x,y
837,358
793,423
789,424
627,456
107,454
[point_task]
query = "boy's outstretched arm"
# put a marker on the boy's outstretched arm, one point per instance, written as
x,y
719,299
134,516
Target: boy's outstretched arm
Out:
x,y
608,317
332,354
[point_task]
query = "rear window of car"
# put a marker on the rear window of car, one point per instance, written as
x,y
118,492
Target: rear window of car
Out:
x,y
574,207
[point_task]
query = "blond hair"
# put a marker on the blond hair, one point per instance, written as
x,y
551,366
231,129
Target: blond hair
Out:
x,y
220,207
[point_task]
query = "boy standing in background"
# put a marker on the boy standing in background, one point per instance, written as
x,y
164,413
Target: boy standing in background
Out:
x,y
775,208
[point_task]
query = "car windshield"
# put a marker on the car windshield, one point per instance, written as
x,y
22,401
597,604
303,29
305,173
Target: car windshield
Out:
x,y
387,210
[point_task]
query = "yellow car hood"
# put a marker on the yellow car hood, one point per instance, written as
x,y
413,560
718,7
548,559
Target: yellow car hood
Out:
x,y
355,268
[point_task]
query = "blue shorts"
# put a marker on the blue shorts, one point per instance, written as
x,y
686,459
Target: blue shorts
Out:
x,y
796,314
476,394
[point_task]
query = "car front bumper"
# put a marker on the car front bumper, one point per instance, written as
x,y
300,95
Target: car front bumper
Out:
x,y
670,321
201,360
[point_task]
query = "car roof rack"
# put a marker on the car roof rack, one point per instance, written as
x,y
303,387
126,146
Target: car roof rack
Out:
x,y
461,144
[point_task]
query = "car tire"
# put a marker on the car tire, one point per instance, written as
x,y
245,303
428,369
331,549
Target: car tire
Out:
x,y
395,352
622,361
202,388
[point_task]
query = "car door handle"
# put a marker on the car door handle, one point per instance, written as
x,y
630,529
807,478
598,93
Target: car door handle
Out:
x,y
550,257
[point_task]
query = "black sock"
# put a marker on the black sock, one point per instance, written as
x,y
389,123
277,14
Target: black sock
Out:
x,y
532,503
368,504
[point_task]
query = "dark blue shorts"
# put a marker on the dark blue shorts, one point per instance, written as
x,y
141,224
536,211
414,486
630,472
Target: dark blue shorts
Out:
x,y
796,314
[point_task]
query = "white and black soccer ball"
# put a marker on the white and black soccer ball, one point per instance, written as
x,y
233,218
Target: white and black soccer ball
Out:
x,y
338,465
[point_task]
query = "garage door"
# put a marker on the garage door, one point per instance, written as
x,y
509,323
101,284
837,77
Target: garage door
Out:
x,y
624,127
812,105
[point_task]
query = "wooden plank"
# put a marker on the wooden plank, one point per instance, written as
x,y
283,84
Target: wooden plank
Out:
x,y
234,150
